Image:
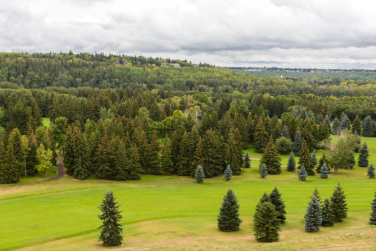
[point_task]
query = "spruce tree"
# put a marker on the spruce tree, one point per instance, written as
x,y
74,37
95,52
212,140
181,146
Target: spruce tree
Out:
x,y
167,165
363,156
247,160
285,132
317,194
271,158
136,165
371,171
313,217
345,123
234,153
198,158
260,137
327,214
81,163
31,156
323,159
298,143
306,159
291,165
263,171
372,220
122,163
199,175
276,199
228,218
367,126
111,229
324,171
314,158
336,127
302,174
105,157
18,149
12,172
228,173
266,223
3,159
264,198
339,205
357,126
153,164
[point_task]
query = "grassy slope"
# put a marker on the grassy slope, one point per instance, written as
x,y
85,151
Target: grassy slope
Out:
x,y
174,213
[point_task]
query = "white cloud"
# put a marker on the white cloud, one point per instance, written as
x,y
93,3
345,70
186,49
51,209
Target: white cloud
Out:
x,y
259,32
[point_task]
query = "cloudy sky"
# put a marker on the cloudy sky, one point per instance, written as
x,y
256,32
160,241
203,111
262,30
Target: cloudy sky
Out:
x,y
284,33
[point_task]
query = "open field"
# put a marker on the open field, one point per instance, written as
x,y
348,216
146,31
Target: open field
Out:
x,y
175,213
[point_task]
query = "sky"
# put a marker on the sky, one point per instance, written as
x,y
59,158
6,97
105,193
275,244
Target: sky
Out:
x,y
281,33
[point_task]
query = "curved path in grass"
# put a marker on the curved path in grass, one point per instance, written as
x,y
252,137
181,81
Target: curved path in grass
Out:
x,y
60,169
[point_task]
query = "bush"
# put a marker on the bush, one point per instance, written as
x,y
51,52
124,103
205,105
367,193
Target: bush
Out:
x,y
284,145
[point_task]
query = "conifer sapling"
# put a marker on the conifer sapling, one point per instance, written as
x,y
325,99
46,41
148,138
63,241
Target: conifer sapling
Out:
x,y
263,171
371,171
324,171
199,175
327,214
228,173
266,223
372,220
228,219
291,165
247,160
313,217
339,204
302,174
276,199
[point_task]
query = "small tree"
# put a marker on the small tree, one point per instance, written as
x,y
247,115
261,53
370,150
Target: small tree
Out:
x,y
302,174
199,175
317,194
324,171
228,219
372,220
247,160
271,158
313,217
323,159
367,125
339,205
266,223
306,159
314,158
44,158
371,171
276,199
228,173
263,171
327,214
291,165
111,227
363,156
298,143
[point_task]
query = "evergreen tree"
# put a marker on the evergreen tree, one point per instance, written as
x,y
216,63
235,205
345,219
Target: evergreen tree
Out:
x,y
336,127
291,165
367,126
228,173
213,155
234,154
298,143
105,160
122,163
167,165
111,229
136,164
263,171
276,199
199,175
266,223
314,158
327,214
81,163
372,220
198,158
285,132
247,160
302,174
357,126
271,158
31,156
317,194
371,171
3,159
323,159
264,198
324,171
339,205
153,156
18,149
228,219
327,123
313,217
69,154
363,156
11,170
260,137
306,159
345,123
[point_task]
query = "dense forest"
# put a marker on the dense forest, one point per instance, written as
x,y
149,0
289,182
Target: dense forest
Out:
x,y
116,117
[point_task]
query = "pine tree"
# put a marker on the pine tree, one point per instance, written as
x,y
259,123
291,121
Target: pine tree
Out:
x,y
247,160
136,165
18,149
266,223
345,123
31,156
167,165
314,158
291,165
198,158
357,126
276,199
122,163
271,158
199,175
264,198
372,220
111,233
260,137
298,143
105,168
153,156
367,126
313,217
234,154
263,171
317,194
69,154
3,159
285,132
324,171
12,172
81,163
306,159
228,219
323,159
339,205
327,214
336,127
363,156
302,174
371,171
327,123
228,173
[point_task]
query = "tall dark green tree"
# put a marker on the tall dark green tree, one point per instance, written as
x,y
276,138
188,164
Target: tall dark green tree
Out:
x,y
345,123
271,158
228,219
247,160
363,156
313,217
105,158
18,149
31,156
153,156
298,143
371,171
122,163
327,214
3,164
234,154
12,172
275,198
372,220
111,229
336,130
291,165
136,164
266,223
306,159
356,126
367,126
260,137
339,204
166,162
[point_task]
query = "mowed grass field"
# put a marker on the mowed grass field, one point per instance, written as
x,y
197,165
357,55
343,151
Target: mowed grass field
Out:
x,y
175,213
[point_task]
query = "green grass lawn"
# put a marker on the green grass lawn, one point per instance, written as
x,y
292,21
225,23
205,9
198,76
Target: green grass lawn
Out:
x,y
46,122
175,213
